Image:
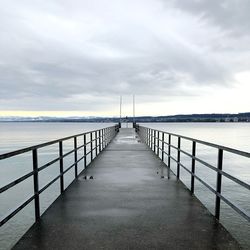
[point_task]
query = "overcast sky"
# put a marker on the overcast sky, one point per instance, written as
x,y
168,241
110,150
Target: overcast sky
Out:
x,y
76,57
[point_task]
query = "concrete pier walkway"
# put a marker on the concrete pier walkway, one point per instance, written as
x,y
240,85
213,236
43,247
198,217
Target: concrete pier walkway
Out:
x,y
126,206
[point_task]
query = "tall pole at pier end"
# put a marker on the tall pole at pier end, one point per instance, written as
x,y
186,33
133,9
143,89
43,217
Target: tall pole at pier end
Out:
x,y
120,111
133,111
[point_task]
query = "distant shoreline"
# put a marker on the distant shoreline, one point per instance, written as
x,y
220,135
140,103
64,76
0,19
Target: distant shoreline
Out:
x,y
240,117
124,122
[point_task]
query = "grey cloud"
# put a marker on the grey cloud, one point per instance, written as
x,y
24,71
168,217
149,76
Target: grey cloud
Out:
x,y
52,58
232,15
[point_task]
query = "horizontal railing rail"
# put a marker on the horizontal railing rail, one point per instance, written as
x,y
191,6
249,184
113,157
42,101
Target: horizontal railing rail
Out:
x,y
95,140
159,140
27,149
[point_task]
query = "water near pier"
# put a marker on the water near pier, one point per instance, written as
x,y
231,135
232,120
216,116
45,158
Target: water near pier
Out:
x,y
17,135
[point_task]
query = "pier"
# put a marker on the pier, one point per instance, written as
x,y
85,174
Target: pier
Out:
x,y
123,199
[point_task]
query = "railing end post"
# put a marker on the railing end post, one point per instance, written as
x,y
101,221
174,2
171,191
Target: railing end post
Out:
x,y
193,166
218,184
36,184
75,155
61,166
178,157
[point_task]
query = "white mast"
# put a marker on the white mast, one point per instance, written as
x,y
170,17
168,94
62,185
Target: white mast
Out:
x,y
133,108
120,108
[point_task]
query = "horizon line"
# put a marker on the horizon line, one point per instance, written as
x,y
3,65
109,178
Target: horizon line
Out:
x,y
106,116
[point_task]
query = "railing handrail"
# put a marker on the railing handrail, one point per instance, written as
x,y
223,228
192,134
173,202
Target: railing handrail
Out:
x,y
210,144
152,138
44,144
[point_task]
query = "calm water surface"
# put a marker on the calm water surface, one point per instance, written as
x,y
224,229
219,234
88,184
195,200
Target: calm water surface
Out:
x,y
18,135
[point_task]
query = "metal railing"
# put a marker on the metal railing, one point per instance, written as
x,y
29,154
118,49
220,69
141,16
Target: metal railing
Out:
x,y
98,140
161,141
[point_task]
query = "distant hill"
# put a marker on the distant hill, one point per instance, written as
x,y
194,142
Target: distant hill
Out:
x,y
240,117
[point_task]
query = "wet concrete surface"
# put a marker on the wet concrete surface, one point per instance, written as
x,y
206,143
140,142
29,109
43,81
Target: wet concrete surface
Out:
x,y
126,206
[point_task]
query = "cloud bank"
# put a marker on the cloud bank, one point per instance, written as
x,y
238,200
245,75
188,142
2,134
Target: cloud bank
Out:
x,y
81,55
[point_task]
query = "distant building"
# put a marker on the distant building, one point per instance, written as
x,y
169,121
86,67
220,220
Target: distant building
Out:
x,y
236,119
227,119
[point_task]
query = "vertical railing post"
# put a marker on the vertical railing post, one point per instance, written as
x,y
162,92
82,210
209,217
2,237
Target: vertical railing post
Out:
x,y
147,131
36,184
76,165
154,140
151,140
102,139
169,154
162,146
147,137
158,143
99,135
193,166
143,135
61,166
162,152
109,135
91,146
218,186
96,150
85,150
178,157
